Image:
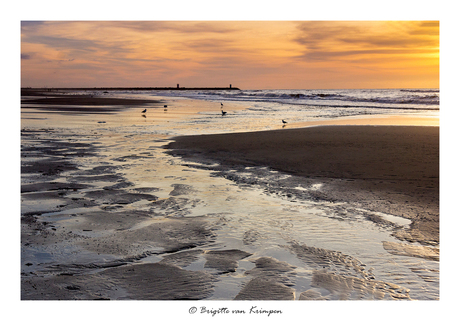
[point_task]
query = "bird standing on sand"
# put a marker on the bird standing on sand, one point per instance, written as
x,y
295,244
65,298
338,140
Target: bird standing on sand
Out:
x,y
284,122
221,105
223,113
145,110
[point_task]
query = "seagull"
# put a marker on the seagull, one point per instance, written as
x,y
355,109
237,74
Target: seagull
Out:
x,y
145,110
221,105
284,122
223,113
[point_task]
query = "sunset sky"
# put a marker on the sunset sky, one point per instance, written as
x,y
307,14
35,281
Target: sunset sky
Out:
x,y
246,54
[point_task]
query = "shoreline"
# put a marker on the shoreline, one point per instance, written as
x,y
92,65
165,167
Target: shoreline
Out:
x,y
50,90
389,169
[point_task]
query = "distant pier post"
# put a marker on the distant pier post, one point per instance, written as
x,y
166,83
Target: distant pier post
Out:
x,y
230,85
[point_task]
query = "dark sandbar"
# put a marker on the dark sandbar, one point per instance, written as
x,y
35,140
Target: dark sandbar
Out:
x,y
61,102
392,169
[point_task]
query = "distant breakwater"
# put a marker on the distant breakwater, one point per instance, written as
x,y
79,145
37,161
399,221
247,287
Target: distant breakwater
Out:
x,y
132,88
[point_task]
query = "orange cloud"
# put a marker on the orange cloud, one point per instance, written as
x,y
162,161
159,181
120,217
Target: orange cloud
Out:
x,y
248,54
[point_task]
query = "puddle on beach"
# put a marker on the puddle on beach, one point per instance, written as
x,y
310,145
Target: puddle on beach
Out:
x,y
125,205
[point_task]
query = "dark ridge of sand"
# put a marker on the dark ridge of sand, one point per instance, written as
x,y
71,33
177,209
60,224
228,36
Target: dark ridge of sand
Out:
x,y
183,258
273,269
270,281
390,169
150,281
62,102
86,100
159,281
224,261
261,288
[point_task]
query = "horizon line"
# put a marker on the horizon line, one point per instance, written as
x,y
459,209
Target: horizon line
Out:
x,y
210,88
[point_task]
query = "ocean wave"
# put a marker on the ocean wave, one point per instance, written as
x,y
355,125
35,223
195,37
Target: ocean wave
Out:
x,y
373,97
421,90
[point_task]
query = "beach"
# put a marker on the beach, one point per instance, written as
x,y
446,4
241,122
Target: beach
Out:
x,y
391,169
117,204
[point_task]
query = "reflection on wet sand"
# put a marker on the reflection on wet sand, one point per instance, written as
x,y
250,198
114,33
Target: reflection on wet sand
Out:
x,y
107,214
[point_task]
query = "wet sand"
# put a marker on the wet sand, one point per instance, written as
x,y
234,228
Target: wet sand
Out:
x,y
85,103
88,232
390,169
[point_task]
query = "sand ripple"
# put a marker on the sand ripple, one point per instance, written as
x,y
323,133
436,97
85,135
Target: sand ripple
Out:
x,y
150,281
425,252
348,287
271,281
225,260
158,281
332,260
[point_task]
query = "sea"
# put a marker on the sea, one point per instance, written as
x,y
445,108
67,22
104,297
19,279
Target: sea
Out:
x,y
265,109
257,210
330,103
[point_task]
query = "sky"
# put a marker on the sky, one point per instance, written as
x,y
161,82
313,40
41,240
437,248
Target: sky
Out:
x,y
246,54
